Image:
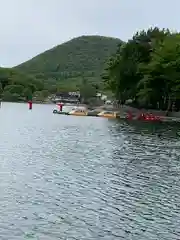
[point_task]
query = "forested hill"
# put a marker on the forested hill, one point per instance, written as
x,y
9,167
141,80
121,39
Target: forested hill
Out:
x,y
82,56
73,65
147,70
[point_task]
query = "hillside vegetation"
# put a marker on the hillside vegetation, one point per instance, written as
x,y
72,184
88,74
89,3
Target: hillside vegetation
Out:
x,y
18,86
146,69
73,65
67,64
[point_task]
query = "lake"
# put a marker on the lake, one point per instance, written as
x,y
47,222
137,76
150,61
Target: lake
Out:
x,y
83,178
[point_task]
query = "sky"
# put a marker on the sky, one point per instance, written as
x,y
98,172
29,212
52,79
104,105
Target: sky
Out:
x,y
29,27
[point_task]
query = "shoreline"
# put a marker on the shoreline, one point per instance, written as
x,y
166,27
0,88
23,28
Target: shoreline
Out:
x,y
123,109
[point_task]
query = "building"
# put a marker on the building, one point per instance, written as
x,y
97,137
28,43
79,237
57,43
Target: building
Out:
x,y
67,97
101,96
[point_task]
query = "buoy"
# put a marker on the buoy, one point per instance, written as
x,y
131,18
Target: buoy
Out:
x,y
30,104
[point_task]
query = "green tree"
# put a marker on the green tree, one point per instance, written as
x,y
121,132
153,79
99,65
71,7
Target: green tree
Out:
x,y
124,71
161,77
8,96
16,84
27,93
14,89
1,90
45,93
87,91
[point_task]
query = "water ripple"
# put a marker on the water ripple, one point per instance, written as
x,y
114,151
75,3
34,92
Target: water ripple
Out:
x,y
81,178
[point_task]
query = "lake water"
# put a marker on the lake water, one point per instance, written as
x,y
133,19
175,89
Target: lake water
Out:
x,y
83,178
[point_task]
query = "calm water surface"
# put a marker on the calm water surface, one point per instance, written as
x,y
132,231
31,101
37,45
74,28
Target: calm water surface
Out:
x,y
65,177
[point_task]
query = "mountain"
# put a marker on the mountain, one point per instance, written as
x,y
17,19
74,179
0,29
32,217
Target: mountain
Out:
x,y
73,65
67,63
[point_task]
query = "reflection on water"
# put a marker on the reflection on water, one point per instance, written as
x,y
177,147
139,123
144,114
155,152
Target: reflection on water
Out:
x,y
65,177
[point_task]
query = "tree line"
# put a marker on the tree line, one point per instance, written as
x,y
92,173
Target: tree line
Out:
x,y
17,86
146,69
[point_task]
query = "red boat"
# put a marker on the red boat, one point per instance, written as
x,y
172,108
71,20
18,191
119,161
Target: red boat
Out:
x,y
144,117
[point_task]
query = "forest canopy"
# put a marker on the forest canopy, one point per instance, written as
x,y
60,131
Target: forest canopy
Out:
x,y
67,64
17,86
146,69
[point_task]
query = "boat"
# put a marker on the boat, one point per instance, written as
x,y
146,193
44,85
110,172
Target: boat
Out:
x,y
148,117
82,111
93,113
78,112
55,111
108,114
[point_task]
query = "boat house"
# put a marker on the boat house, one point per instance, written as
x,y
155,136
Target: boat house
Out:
x,y
67,97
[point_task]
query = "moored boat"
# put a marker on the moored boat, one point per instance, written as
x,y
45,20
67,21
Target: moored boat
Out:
x,y
148,117
78,112
55,111
108,114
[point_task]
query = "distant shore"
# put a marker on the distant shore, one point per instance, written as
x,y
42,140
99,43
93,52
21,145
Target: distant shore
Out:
x,y
123,109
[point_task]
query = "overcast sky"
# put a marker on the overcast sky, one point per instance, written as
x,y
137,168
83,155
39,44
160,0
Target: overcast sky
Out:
x,y
28,27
